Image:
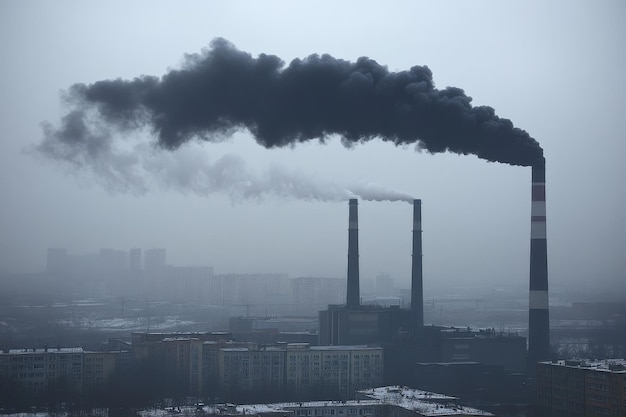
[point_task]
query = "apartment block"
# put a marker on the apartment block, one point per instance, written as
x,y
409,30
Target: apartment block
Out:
x,y
242,369
582,388
182,356
98,367
299,368
210,362
38,370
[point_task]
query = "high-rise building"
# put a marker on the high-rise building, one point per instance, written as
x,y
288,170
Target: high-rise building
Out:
x,y
154,259
182,356
134,259
113,259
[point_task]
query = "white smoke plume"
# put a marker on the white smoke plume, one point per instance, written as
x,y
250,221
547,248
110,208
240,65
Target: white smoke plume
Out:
x,y
122,167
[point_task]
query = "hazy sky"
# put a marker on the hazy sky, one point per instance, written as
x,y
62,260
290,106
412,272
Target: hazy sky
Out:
x,y
556,69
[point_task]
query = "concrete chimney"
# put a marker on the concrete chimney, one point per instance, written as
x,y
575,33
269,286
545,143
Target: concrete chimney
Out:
x,y
538,315
417,288
353,292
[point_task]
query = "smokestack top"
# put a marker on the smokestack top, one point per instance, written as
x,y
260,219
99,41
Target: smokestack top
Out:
x,y
417,214
353,202
539,172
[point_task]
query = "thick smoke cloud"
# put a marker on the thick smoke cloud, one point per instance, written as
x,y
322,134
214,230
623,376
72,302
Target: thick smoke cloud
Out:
x,y
223,90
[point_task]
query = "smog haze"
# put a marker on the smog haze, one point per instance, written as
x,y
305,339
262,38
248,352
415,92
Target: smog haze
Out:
x,y
233,199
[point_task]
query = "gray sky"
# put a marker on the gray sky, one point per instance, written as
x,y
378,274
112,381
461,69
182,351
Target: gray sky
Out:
x,y
556,69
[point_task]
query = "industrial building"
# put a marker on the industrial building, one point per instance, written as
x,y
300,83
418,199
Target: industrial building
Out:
x,y
402,332
354,323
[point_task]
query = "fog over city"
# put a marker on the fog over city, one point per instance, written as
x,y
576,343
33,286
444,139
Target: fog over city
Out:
x,y
96,154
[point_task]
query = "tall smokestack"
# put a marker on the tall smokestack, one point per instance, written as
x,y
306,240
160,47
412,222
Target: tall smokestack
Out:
x,y
538,315
353,293
417,290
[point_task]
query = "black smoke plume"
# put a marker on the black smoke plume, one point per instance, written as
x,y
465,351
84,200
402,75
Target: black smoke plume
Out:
x,y
222,90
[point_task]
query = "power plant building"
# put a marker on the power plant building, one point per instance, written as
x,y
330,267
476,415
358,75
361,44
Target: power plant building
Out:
x,y
402,332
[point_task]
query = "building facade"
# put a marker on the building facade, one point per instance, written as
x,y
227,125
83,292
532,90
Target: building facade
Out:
x,y
582,388
98,368
301,369
251,370
37,371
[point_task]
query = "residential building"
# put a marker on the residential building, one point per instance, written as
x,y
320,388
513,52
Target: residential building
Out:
x,y
38,370
301,369
182,357
391,401
98,367
582,388
246,370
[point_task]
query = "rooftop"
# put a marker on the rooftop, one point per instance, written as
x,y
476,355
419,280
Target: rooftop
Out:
x,y
423,402
31,351
611,365
407,398
393,392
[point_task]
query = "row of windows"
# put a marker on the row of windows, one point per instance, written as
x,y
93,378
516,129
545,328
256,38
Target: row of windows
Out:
x,y
599,387
598,398
600,410
42,366
331,412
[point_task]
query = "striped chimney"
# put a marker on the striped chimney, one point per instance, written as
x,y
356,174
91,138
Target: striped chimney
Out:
x,y
353,293
417,291
538,315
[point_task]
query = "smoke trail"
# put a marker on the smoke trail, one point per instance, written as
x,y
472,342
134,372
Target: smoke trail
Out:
x,y
222,90
143,167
